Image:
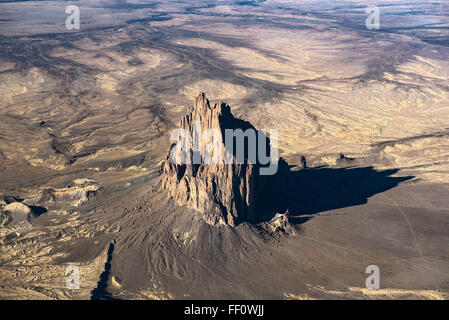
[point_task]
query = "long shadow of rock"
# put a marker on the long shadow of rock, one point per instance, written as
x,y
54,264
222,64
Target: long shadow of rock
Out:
x,y
314,190
101,291
244,194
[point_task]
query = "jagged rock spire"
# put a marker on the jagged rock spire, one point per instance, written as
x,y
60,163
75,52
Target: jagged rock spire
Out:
x,y
225,193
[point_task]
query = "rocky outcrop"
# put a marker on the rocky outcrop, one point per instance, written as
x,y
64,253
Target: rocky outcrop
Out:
x,y
281,223
82,191
15,213
227,191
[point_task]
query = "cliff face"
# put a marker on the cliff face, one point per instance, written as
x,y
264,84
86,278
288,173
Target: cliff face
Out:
x,y
225,192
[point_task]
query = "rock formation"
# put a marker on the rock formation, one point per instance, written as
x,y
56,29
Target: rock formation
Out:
x,y
82,191
225,192
15,213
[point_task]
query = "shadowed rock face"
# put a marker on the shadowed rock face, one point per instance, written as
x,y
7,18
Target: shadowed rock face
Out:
x,y
226,193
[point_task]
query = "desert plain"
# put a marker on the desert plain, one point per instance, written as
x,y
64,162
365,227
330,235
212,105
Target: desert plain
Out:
x,y
85,122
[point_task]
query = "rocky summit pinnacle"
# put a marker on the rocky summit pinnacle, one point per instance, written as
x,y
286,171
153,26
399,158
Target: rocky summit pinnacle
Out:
x,y
225,192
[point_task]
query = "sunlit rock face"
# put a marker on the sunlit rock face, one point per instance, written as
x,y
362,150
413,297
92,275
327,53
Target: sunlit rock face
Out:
x,y
224,191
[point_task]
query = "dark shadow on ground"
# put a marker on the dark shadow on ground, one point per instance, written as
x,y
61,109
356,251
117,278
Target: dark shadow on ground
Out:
x,y
313,190
37,210
101,291
309,190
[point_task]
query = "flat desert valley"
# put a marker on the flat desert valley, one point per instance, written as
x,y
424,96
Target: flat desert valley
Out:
x,y
362,118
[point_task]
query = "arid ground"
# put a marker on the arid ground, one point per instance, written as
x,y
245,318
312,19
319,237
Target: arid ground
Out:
x,y
85,121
